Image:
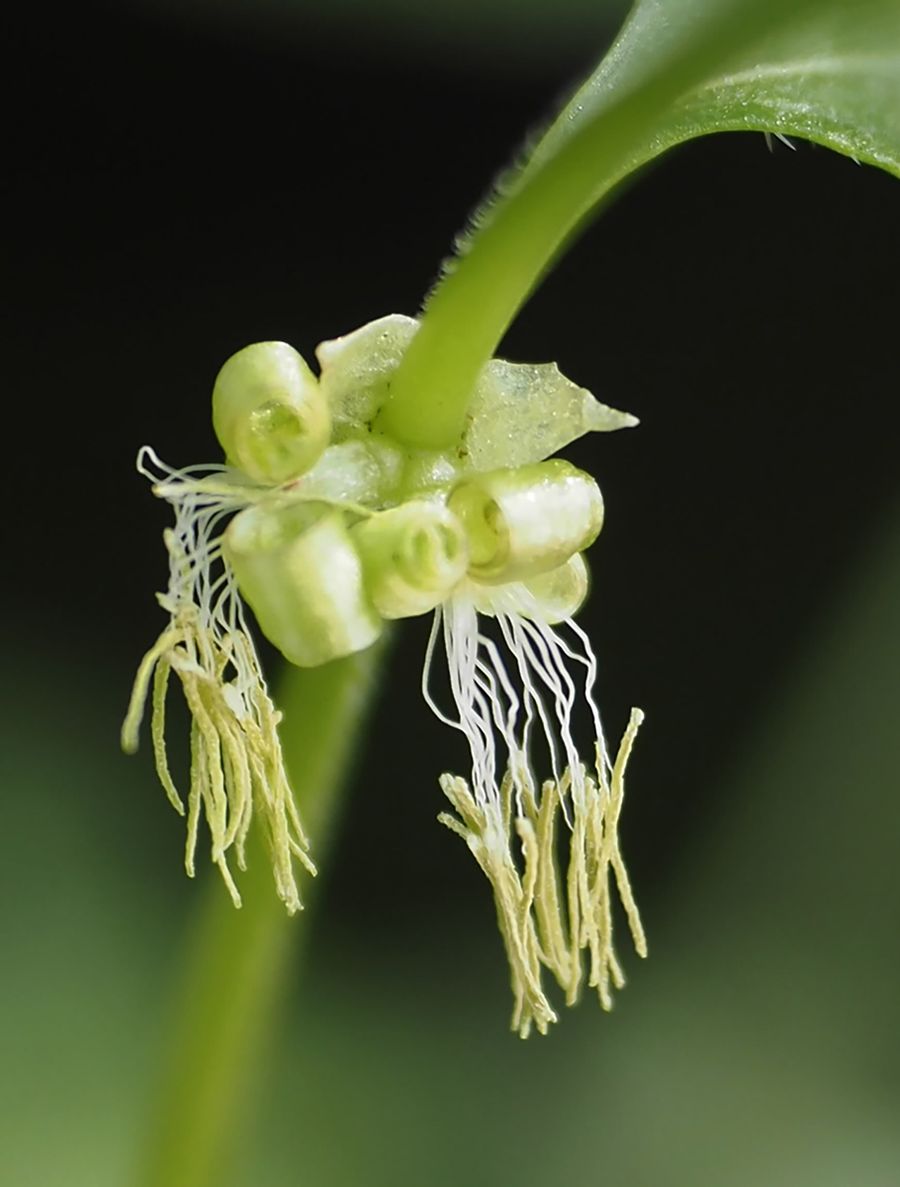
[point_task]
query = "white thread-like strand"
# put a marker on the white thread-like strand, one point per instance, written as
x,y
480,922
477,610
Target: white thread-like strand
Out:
x,y
492,708
516,716
237,765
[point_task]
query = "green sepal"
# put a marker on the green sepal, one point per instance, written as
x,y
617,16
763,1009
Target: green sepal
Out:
x,y
356,370
519,412
363,470
524,412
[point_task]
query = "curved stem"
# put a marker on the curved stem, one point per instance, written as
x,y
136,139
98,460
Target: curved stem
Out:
x,y
588,150
237,963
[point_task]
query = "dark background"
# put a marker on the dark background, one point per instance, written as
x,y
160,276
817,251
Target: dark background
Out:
x,y
176,189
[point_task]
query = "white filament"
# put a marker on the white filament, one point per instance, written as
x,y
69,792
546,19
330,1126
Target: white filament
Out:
x,y
201,583
515,716
237,765
506,710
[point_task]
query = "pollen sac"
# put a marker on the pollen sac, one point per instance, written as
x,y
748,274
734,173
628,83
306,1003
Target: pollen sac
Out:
x,y
297,567
413,556
269,414
523,522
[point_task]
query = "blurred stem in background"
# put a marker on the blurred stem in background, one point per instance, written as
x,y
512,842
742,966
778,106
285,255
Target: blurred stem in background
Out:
x,y
237,962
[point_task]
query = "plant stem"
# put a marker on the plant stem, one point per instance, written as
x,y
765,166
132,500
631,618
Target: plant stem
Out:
x,y
605,133
237,963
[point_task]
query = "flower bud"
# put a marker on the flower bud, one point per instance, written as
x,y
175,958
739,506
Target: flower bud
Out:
x,y
268,413
298,569
526,521
413,557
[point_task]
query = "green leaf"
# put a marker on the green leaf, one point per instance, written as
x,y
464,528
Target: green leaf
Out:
x,y
832,77
822,69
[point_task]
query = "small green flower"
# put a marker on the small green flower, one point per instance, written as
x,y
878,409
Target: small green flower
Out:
x,y
327,527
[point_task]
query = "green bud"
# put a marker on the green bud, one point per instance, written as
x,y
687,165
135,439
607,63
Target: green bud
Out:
x,y
413,557
523,522
298,569
268,413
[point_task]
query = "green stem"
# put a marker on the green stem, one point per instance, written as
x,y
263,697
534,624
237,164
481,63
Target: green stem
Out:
x,y
588,151
237,963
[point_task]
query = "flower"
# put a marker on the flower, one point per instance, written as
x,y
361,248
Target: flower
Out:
x,y
326,527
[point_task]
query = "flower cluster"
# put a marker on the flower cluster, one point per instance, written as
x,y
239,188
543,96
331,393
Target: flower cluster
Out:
x,y
327,527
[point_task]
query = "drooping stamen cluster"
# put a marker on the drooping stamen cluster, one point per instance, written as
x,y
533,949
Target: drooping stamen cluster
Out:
x,y
328,528
237,766
545,921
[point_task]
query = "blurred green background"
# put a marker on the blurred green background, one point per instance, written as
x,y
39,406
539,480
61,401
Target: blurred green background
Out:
x,y
182,181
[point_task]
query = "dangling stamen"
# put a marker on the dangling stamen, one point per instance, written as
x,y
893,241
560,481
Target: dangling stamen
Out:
x,y
545,921
237,765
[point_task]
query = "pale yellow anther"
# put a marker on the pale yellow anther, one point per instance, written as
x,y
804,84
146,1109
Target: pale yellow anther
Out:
x,y
237,773
541,927
237,769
